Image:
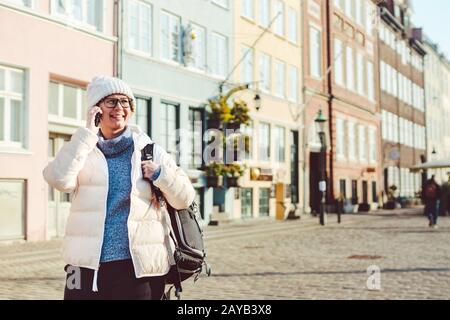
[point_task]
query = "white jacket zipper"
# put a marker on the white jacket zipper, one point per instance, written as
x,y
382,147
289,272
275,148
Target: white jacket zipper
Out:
x,y
94,280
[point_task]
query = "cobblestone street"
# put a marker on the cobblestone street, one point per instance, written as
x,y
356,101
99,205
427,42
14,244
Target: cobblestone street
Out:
x,y
298,259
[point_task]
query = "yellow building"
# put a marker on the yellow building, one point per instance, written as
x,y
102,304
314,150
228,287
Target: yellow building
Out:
x,y
267,38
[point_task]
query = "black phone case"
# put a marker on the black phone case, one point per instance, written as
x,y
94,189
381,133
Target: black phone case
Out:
x,y
98,116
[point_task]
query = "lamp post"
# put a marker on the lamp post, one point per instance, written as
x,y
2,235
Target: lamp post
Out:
x,y
320,125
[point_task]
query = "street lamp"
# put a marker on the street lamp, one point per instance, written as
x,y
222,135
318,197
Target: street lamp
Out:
x,y
320,126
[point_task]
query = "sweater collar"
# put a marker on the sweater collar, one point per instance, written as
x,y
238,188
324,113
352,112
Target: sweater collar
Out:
x,y
117,145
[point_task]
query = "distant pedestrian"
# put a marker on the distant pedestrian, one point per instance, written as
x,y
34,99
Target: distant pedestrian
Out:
x,y
431,196
117,241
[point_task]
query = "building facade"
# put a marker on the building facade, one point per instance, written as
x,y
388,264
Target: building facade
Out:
x,y
402,93
50,51
437,97
267,57
341,80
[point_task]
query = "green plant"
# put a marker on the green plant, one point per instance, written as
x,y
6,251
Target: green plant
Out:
x,y
220,110
240,112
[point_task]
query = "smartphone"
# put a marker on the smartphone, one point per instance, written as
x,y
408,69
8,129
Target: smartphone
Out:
x,y
98,117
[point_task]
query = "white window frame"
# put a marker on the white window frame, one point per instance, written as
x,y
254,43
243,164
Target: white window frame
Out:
x,y
248,9
264,13
350,69
60,118
315,53
292,25
173,20
69,14
339,55
140,5
351,140
199,45
219,55
362,143
8,96
278,27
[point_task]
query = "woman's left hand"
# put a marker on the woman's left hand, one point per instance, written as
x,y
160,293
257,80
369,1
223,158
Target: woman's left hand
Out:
x,y
148,168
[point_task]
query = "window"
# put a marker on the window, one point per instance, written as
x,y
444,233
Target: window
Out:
x,y
12,209
338,62
372,145
315,54
246,202
264,72
340,138
279,79
195,150
293,84
170,37
264,143
359,11
12,107
139,26
279,22
169,126
279,143
362,143
370,16
85,12
247,65
360,73
264,197
247,8
350,69
199,47
142,115
67,103
219,55
264,13
292,25
351,140
370,81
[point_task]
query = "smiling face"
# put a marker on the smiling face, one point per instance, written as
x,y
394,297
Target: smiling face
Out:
x,y
116,112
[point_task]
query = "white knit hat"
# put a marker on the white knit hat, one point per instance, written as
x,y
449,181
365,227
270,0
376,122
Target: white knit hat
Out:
x,y
103,86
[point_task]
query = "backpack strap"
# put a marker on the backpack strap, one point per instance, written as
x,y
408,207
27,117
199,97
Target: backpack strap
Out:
x,y
147,154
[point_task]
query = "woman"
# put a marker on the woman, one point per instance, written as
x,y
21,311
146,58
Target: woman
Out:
x,y
117,243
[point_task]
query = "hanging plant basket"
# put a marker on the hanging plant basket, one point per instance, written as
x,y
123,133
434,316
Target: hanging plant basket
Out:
x,y
233,125
233,182
214,181
214,124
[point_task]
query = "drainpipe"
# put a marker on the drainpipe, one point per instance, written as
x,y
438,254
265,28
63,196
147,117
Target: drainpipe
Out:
x,y
302,139
330,101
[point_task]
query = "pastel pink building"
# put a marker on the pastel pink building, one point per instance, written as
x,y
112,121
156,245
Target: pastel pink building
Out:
x,y
49,51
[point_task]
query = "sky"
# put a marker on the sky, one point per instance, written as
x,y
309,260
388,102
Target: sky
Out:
x,y
434,17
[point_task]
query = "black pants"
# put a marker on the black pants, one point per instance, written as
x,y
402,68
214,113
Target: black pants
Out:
x,y
116,280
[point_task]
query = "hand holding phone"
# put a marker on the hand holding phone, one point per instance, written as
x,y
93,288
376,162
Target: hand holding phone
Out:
x,y
93,118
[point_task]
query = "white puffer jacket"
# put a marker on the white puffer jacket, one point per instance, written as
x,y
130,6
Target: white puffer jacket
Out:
x,y
80,167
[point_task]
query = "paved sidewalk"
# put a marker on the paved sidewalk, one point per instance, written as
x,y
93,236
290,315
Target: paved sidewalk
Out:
x,y
299,259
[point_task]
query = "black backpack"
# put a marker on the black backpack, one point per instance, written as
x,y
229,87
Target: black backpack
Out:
x,y
187,235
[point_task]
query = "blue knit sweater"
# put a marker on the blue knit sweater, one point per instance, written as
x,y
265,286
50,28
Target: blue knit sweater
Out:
x,y
118,152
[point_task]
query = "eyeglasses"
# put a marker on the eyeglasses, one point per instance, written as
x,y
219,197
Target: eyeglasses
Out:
x,y
111,103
